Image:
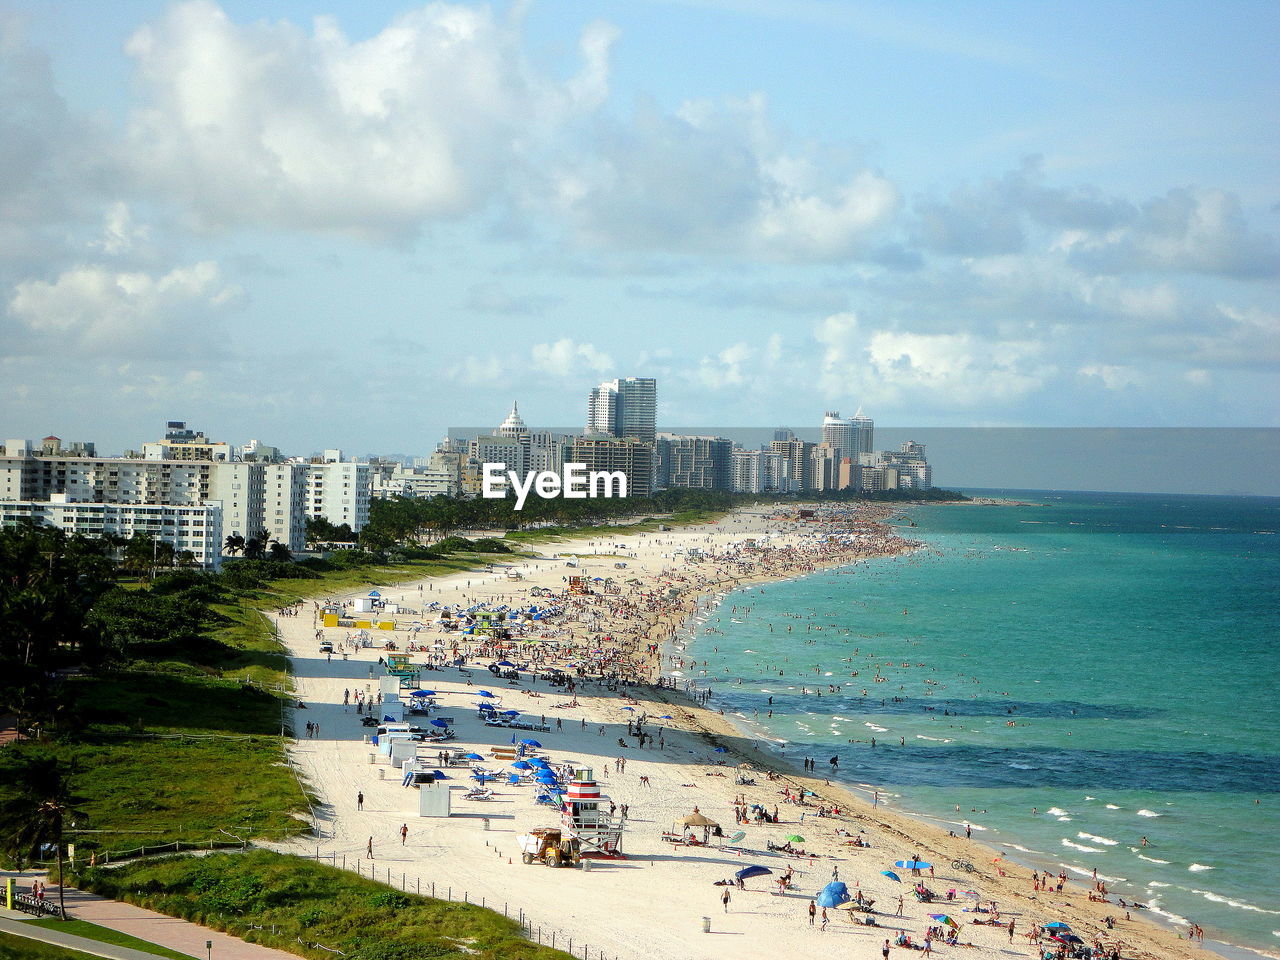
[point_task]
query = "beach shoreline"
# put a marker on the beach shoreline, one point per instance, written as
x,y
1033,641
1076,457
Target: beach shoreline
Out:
x,y
694,775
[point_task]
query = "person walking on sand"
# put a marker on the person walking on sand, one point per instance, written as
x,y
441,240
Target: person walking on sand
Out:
x,y
1011,931
725,898
369,848
825,919
360,800
884,951
404,833
813,912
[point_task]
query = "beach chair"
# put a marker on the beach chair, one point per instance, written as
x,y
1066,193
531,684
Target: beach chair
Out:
x,y
734,840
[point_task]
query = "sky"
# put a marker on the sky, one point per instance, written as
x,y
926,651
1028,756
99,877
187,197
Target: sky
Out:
x,y
355,225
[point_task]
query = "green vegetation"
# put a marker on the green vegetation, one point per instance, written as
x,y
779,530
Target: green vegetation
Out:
x,y
20,948
244,893
162,702
91,931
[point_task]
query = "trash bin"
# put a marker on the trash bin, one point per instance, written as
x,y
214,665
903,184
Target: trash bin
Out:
x,y
382,773
586,864
485,821
706,924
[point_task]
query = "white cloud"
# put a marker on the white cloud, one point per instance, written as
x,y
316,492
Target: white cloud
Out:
x,y
564,358
725,369
715,180
119,232
266,123
1114,376
95,309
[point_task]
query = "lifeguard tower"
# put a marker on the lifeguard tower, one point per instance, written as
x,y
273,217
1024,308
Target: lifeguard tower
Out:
x,y
599,834
400,667
491,623
579,585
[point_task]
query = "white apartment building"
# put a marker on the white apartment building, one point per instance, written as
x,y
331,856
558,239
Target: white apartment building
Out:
x,y
193,527
285,487
338,491
760,471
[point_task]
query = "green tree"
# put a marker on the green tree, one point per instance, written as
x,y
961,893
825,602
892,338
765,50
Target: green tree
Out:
x,y
33,816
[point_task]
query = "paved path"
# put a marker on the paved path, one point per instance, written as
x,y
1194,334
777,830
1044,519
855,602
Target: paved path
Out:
x,y
58,938
179,935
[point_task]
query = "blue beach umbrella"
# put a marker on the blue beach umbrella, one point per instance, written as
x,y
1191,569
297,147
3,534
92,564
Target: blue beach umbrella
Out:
x,y
437,722
472,756
628,708
484,693
511,713
531,743
891,875
746,873
721,750
833,894
504,663
521,765
1057,925
422,693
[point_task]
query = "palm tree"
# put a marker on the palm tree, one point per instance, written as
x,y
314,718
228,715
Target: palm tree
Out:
x,y
233,544
33,818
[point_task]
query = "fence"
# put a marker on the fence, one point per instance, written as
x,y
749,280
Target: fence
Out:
x,y
546,936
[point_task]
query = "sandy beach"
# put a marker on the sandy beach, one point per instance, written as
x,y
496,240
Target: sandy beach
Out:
x,y
654,901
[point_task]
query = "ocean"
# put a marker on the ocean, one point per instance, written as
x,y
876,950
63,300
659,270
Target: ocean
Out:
x,y
1089,680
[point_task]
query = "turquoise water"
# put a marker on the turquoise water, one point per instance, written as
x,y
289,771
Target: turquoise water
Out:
x,y
1073,676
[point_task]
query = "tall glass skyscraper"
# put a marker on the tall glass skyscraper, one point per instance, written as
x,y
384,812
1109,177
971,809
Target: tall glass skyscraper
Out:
x,y
624,408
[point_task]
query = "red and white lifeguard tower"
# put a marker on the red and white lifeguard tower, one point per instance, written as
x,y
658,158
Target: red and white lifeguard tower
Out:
x,y
598,833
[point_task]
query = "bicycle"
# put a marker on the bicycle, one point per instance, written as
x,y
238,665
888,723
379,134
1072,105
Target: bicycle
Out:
x,y
964,865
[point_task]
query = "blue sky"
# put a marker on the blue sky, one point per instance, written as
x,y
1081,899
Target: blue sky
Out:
x,y
358,224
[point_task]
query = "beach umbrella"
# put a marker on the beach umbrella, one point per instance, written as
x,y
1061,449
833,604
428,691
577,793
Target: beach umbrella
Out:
x,y
1058,925
472,756
891,875
746,873
531,743
1067,938
698,820
912,864
795,838
521,765
721,750
484,693
422,693
943,918
504,663
628,708
972,895
833,894
374,593
666,716
511,713
538,761
438,722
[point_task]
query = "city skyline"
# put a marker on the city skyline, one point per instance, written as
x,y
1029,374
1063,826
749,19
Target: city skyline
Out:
x,y
349,226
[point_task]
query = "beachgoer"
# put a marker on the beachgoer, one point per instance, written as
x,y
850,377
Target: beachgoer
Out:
x,y
884,951
813,912
369,848
725,898
404,833
360,801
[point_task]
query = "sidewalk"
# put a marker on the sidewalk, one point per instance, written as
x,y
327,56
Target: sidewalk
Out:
x,y
56,937
179,935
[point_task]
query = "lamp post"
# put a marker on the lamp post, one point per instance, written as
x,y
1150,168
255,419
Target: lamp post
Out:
x,y
208,949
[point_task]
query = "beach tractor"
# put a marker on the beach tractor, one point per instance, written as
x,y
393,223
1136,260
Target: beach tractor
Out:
x,y
548,845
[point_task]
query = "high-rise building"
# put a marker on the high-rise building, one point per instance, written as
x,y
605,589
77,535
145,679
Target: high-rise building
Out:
x,y
701,463
625,407
839,434
865,431
760,471
633,457
784,433
799,457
